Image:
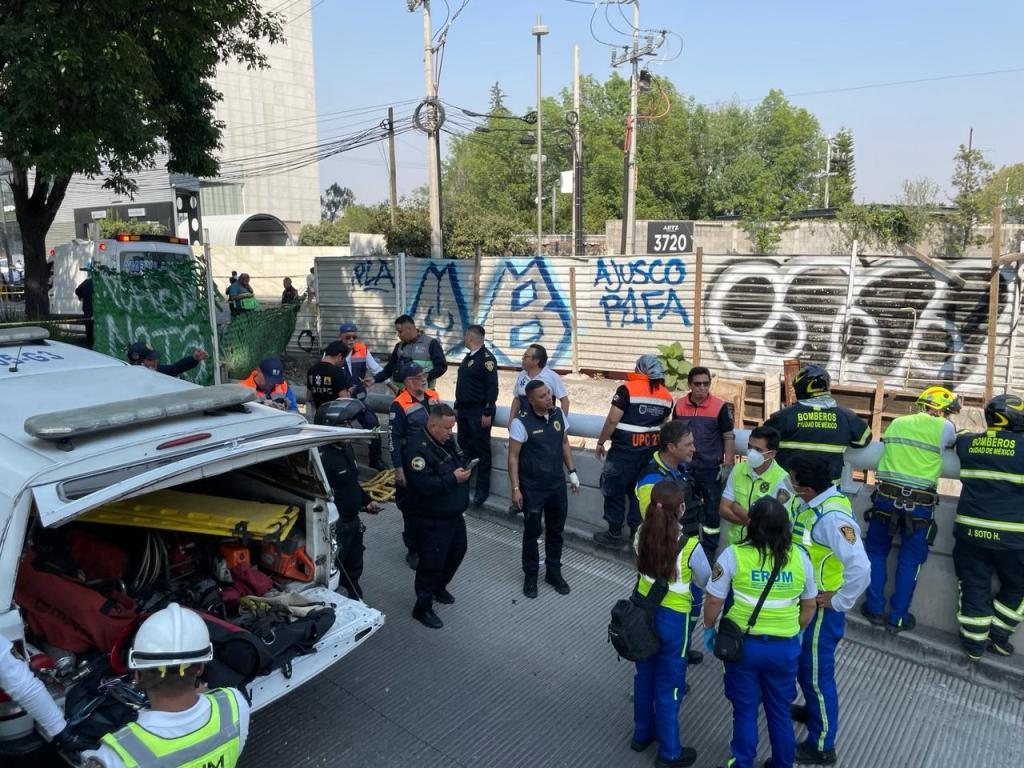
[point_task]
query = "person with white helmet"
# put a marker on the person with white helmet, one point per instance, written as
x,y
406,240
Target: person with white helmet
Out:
x,y
183,727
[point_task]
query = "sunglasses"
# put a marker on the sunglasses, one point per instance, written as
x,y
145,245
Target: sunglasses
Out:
x,y
349,337
700,384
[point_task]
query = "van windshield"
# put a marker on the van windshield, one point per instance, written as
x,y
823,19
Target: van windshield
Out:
x,y
136,262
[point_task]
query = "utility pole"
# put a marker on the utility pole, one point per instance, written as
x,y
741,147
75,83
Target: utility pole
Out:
x,y
539,30
554,201
392,170
633,54
433,145
828,165
577,160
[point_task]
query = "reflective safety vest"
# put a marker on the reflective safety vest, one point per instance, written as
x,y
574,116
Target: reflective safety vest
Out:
x,y
279,390
357,363
828,569
637,431
416,411
416,351
678,596
214,745
912,451
747,489
990,512
780,614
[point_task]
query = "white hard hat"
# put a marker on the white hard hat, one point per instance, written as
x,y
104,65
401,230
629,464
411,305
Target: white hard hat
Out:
x,y
174,635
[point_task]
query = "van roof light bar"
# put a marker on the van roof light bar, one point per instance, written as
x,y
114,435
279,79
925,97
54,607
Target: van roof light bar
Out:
x,y
25,334
77,422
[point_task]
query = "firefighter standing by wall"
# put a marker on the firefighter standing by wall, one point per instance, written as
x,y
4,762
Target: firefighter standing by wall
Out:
x,y
638,409
409,413
817,424
904,501
712,422
989,529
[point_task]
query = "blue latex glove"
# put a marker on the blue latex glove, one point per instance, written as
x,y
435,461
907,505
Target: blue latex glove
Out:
x,y
709,639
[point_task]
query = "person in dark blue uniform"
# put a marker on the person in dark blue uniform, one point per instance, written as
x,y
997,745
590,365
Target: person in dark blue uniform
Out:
x,y
476,390
439,496
349,497
140,353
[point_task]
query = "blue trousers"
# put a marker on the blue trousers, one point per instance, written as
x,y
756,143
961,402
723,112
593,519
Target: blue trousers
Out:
x,y
913,552
659,685
766,674
816,674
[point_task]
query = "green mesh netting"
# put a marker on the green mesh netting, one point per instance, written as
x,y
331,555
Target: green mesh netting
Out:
x,y
253,335
166,307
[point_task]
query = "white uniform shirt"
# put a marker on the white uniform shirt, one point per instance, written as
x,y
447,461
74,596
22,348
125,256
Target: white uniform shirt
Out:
x,y
720,584
169,725
18,682
371,363
548,376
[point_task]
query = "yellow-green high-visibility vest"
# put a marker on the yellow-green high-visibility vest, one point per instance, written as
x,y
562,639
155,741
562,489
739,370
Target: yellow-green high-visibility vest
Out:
x,y
217,743
678,596
912,452
747,489
780,614
828,569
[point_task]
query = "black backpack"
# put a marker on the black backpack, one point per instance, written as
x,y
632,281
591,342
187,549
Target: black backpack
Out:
x,y
632,630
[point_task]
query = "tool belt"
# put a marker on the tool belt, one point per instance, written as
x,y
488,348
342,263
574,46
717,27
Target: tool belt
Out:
x,y
904,496
902,519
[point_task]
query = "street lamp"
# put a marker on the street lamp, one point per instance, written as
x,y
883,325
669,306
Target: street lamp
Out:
x,y
539,30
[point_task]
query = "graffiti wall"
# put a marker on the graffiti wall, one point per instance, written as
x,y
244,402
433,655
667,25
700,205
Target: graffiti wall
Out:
x,y
897,320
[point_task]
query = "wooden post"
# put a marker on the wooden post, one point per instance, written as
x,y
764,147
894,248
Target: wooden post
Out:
x,y
877,408
477,264
574,321
790,368
993,303
698,295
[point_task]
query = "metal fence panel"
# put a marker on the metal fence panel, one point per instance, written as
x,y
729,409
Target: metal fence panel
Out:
x,y
362,291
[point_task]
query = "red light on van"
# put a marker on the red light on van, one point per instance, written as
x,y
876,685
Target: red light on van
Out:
x,y
103,246
53,252
123,238
183,441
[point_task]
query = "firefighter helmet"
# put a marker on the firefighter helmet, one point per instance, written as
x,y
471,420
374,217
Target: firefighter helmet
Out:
x,y
1005,412
811,381
939,399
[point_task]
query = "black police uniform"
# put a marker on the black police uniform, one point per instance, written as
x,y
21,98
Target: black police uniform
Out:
x,y
186,363
989,537
436,505
476,391
542,483
818,430
406,419
343,475
325,381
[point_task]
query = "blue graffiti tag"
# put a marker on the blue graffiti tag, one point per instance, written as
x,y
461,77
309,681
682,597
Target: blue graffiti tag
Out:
x,y
432,303
526,290
373,275
624,304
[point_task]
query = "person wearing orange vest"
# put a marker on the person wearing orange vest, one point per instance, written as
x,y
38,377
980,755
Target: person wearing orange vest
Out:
x,y
639,408
711,420
362,366
409,412
270,385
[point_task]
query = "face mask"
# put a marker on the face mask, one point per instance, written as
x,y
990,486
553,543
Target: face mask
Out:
x,y
755,457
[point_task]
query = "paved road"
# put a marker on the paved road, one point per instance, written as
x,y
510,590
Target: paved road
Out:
x,y
516,682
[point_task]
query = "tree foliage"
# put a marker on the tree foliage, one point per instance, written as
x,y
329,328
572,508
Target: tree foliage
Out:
x,y
1005,187
334,200
112,226
101,87
843,180
887,227
971,172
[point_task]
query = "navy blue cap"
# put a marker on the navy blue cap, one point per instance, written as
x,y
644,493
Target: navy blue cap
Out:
x,y
347,328
140,351
272,370
409,370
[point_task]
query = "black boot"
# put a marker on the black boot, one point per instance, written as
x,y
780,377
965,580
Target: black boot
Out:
x,y
905,626
686,758
877,619
530,585
412,559
612,538
799,713
808,754
554,577
427,617
444,597
1001,647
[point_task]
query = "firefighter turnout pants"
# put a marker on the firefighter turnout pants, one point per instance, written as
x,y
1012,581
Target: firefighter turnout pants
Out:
x,y
816,673
982,617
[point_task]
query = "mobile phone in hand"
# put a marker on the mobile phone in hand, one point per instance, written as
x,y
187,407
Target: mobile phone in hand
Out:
x,y
472,464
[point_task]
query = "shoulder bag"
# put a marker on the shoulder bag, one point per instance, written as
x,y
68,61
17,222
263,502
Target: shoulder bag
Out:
x,y
729,640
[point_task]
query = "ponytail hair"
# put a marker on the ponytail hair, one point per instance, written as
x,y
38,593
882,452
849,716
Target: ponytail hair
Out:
x,y
658,538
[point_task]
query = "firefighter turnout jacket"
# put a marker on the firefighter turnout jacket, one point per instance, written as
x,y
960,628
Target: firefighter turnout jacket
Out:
x,y
990,512
819,426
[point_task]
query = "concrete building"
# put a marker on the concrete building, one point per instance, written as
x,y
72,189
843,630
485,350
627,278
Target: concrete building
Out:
x,y
266,112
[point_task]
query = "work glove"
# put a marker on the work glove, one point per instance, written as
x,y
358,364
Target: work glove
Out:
x,y
710,634
70,743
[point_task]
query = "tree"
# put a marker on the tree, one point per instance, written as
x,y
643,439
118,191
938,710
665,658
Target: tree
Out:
x,y
101,87
1005,187
970,175
497,99
888,227
334,200
843,180
112,226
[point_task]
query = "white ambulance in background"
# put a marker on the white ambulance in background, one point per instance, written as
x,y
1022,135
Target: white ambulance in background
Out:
x,y
132,254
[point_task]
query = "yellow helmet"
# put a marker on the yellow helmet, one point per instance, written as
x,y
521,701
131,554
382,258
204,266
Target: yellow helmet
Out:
x,y
940,399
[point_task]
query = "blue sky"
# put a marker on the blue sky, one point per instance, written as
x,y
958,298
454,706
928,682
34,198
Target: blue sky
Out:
x,y
369,52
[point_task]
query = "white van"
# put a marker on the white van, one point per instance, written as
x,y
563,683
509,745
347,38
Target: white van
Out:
x,y
80,431
125,253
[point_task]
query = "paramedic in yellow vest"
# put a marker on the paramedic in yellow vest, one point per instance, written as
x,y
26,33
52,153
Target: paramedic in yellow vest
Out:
x,y
751,480
771,650
183,726
908,475
825,527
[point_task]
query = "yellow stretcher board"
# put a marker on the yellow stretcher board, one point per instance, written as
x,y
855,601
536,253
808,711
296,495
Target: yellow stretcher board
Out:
x,y
196,513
